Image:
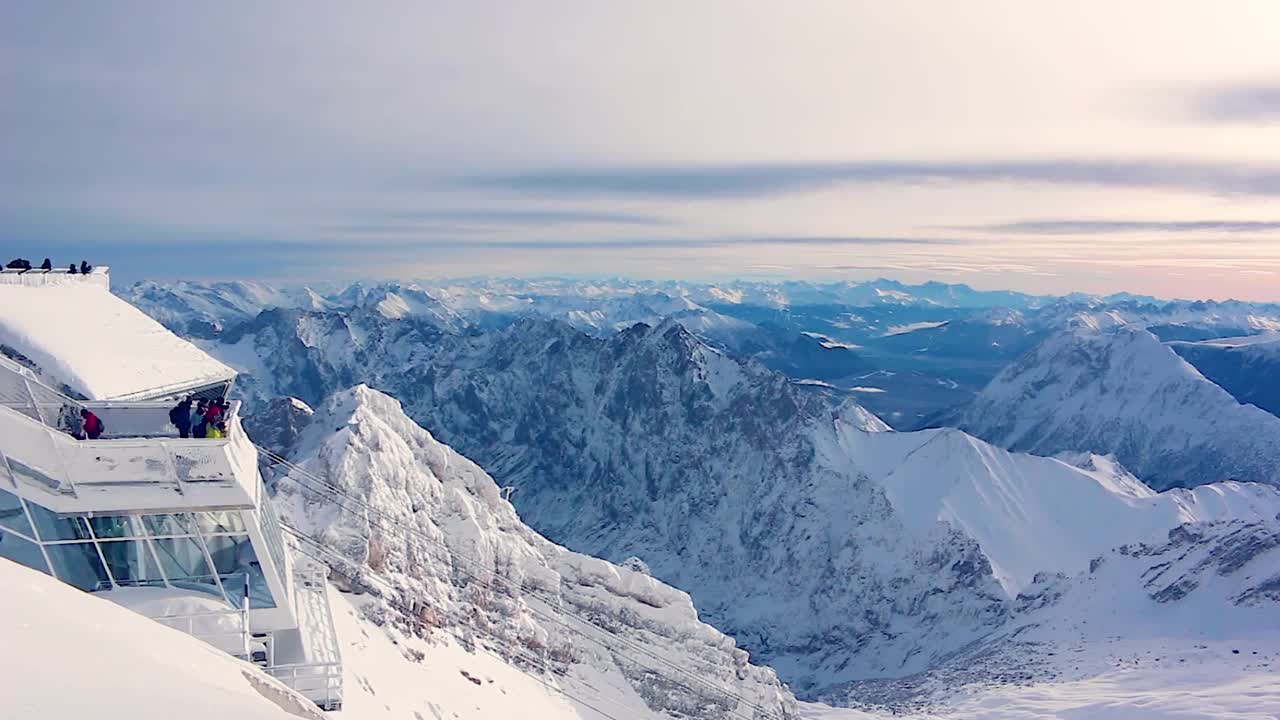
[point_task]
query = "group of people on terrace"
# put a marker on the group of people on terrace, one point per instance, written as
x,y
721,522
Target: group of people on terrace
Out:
x,y
24,265
205,420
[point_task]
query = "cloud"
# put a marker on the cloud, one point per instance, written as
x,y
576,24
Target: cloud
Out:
x,y
1241,103
750,180
136,247
634,243
437,223
1102,227
518,217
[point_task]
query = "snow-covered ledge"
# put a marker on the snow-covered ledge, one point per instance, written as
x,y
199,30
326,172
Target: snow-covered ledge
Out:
x,y
100,276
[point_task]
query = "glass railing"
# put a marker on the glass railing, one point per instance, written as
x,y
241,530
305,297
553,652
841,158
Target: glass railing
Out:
x,y
56,459
23,391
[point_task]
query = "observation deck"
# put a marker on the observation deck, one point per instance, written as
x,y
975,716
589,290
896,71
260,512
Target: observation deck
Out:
x,y
178,529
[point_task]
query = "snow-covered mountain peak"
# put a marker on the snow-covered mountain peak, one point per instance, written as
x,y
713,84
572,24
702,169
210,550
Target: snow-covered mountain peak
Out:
x,y
440,535
1121,391
1097,320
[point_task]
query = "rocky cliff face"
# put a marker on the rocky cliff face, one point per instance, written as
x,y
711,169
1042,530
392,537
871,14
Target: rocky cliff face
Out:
x,y
442,540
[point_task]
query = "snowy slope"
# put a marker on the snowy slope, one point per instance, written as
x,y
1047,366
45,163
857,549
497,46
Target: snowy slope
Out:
x,y
476,571
1031,514
70,655
397,675
1183,626
1121,392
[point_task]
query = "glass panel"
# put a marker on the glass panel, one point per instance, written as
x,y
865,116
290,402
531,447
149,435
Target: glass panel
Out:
x,y
51,527
12,515
184,562
220,522
77,564
22,551
269,524
114,526
131,563
233,558
27,474
168,524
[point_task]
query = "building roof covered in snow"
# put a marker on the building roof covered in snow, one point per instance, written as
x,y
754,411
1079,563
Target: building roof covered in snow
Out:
x,y
79,334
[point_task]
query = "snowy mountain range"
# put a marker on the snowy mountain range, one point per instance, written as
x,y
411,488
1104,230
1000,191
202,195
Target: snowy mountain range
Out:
x,y
1053,544
1121,391
907,352
867,567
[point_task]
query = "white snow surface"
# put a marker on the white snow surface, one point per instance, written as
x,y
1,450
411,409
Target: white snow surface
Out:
x,y
164,602
1031,514
912,327
98,344
68,655
1203,685
398,675
1182,627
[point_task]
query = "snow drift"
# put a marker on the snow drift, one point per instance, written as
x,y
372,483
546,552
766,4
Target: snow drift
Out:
x,y
68,654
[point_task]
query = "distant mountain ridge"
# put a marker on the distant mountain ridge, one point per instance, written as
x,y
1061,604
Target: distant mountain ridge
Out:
x,y
1247,367
1119,390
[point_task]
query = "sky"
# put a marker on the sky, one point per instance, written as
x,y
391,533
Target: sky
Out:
x,y
1044,147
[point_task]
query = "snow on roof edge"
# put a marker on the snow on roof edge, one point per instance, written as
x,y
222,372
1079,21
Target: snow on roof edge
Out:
x,y
98,344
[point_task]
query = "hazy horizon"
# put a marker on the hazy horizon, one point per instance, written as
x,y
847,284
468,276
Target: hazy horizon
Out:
x,y
1093,148
331,284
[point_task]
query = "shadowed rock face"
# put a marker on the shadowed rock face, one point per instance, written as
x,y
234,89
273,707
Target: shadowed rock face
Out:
x,y
1248,372
278,423
1193,553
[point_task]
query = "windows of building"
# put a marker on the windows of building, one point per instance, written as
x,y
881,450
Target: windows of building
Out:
x,y
78,564
12,516
235,560
22,551
202,551
50,527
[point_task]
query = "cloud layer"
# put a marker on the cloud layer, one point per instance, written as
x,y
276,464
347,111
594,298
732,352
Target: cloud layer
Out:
x,y
759,180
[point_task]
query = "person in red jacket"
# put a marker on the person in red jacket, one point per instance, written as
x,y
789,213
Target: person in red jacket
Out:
x,y
217,409
93,426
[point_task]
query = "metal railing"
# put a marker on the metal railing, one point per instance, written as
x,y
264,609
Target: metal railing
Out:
x,y
35,276
198,625
207,389
321,683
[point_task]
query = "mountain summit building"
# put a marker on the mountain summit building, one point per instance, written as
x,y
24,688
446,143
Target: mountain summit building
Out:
x,y
179,530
